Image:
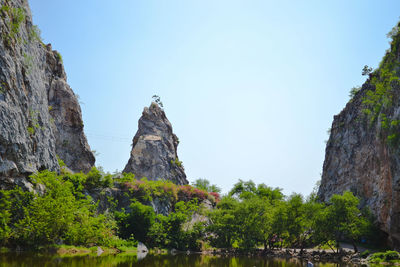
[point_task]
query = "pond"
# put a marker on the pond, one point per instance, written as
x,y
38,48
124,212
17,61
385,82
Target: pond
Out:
x,y
180,260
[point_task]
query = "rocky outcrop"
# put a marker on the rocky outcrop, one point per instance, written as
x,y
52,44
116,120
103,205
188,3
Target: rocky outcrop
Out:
x,y
363,150
40,116
154,149
71,143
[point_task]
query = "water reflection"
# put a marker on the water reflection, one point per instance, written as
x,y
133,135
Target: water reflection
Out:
x,y
180,260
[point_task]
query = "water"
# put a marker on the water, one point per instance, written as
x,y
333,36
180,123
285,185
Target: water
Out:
x,y
32,260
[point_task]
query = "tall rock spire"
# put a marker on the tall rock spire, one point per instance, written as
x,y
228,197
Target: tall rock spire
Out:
x,y
154,149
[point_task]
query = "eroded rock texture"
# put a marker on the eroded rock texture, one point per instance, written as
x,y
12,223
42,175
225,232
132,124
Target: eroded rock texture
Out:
x,y
39,114
154,149
363,150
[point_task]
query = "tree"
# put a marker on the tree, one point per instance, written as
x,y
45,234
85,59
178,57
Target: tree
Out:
x,y
136,222
243,190
205,184
254,220
224,224
340,219
366,70
169,231
295,218
157,100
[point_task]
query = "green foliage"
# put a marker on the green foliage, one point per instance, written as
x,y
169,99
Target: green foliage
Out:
x,y
30,130
341,219
393,32
224,225
366,70
145,191
386,84
33,122
248,217
365,254
354,91
16,17
157,100
28,63
176,162
253,215
2,88
53,216
59,57
137,222
169,231
204,184
97,179
388,256
35,34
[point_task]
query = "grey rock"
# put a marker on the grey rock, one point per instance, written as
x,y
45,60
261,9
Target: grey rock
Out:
x,y
33,81
161,206
359,159
71,143
154,149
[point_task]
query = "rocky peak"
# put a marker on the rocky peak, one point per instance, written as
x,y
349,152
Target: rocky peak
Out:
x,y
154,148
363,150
40,116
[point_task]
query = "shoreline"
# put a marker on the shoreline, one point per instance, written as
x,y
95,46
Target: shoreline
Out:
x,y
313,255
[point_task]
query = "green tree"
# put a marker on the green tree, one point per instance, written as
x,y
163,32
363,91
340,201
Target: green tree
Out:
x,y
224,225
341,219
136,222
205,184
169,231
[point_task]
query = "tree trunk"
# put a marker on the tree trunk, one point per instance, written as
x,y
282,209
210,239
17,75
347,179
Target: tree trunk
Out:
x,y
355,246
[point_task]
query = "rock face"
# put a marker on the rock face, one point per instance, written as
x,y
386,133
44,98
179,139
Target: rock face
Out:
x,y
154,149
363,150
71,143
40,116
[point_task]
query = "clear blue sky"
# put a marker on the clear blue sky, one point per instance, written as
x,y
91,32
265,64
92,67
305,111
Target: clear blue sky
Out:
x,y
250,87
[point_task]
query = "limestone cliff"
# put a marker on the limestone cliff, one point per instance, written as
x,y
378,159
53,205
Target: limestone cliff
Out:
x,y
154,149
363,150
40,116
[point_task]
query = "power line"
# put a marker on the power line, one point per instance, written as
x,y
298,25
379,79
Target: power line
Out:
x,y
109,137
